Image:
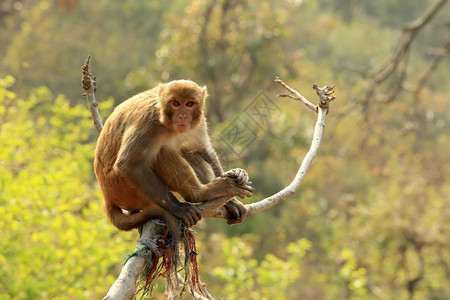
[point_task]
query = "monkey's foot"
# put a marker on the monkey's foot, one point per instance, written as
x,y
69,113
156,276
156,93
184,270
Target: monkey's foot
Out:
x,y
237,211
150,244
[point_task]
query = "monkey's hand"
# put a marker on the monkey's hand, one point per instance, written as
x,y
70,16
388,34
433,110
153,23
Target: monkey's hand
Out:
x,y
236,208
240,175
240,186
237,211
189,214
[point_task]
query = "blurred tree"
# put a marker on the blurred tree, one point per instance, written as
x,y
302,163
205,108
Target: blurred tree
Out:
x,y
67,5
374,206
51,43
56,242
9,8
241,276
383,195
229,45
382,10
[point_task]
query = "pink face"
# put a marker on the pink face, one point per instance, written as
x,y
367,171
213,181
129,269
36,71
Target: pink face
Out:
x,y
182,114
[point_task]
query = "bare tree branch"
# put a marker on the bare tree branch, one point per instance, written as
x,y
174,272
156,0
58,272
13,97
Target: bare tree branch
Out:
x,y
197,296
409,31
439,57
322,109
89,85
125,285
295,95
397,63
391,77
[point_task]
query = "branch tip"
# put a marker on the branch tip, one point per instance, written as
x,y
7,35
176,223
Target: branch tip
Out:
x,y
89,85
85,67
285,95
295,95
324,94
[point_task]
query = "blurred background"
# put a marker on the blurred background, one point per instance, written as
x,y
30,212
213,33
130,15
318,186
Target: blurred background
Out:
x,y
370,221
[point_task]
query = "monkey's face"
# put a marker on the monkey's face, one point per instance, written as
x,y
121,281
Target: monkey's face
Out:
x,y
183,112
181,104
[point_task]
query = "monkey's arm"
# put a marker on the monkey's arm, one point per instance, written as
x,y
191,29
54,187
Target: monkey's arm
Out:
x,y
133,165
210,156
236,208
181,177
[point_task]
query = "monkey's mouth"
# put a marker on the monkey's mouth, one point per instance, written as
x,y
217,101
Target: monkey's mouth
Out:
x,y
182,127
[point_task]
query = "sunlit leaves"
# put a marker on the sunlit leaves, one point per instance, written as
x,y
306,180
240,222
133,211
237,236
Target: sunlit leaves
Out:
x,y
268,279
56,241
376,192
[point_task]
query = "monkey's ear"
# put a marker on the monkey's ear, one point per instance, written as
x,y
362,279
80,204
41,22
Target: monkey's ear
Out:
x,y
161,88
205,92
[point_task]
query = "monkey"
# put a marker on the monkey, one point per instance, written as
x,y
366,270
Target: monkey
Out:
x,y
155,145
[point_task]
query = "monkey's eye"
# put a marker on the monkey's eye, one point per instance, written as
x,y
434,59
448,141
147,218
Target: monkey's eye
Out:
x,y
175,103
190,104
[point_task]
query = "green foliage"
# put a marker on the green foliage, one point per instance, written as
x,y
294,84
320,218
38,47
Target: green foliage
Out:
x,y
56,243
371,213
246,278
382,10
50,39
208,40
353,276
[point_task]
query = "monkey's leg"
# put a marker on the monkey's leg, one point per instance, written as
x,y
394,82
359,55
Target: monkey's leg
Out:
x,y
207,166
201,167
180,177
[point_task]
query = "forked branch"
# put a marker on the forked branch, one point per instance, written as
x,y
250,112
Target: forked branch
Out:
x,y
89,84
125,285
325,97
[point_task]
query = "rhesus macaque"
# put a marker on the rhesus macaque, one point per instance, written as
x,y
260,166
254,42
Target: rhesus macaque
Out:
x,y
156,143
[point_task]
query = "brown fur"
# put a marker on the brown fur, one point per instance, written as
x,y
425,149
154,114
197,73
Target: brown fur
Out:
x,y
156,143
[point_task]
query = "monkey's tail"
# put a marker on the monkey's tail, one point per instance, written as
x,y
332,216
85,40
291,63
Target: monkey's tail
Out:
x,y
127,222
